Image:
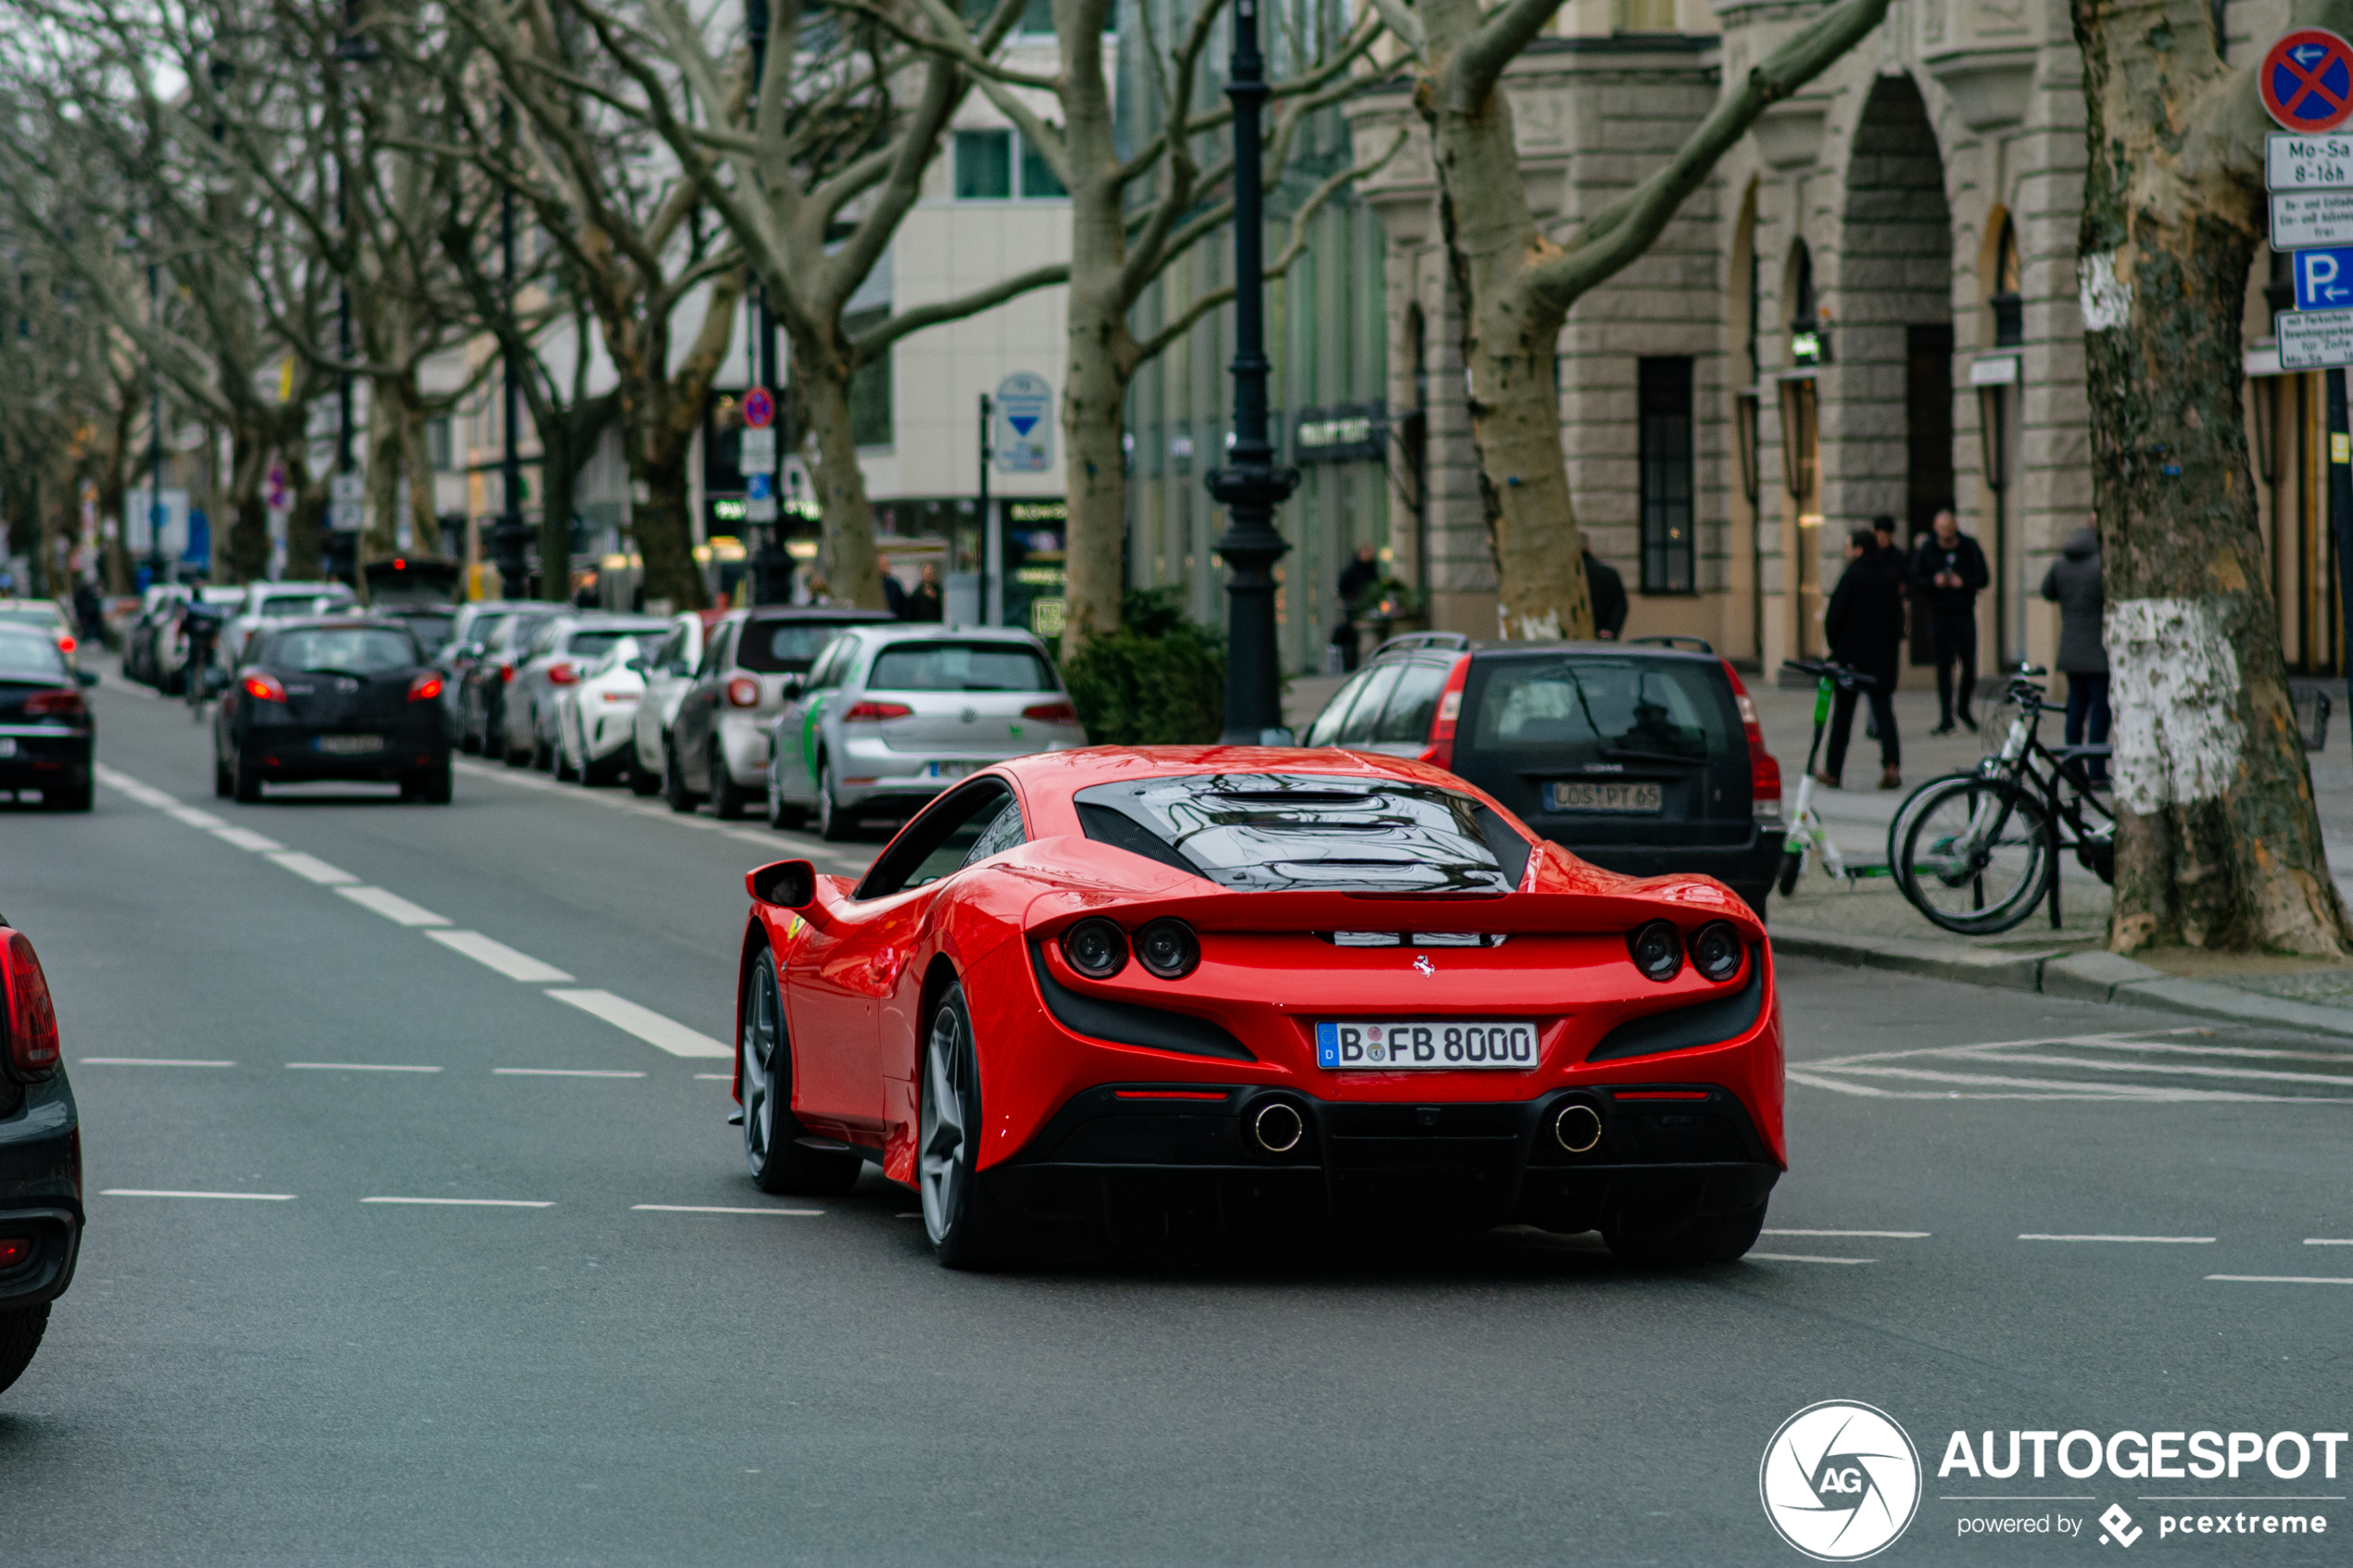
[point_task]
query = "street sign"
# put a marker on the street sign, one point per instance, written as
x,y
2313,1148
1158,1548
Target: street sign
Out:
x,y
759,497
760,409
1023,437
2303,219
346,503
2323,279
2308,163
277,493
2306,79
2313,340
757,452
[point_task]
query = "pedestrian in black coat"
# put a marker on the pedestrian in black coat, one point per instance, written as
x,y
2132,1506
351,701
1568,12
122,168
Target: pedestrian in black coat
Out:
x,y
1607,590
1948,572
2073,583
1864,623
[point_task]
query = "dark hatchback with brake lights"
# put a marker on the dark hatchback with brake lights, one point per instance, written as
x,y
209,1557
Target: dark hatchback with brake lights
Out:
x,y
41,1213
45,721
1643,758
335,697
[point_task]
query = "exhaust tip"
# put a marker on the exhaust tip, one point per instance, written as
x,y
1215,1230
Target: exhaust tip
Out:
x,y
1577,1128
1276,1127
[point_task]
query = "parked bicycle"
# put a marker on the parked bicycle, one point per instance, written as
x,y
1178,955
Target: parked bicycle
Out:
x,y
1980,850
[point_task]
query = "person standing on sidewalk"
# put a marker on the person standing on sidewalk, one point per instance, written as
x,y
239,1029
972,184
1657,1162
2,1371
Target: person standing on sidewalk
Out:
x,y
1864,623
2073,583
1948,572
1607,590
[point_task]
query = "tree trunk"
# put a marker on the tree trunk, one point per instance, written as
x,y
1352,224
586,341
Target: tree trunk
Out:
x,y
424,521
1509,341
2219,845
248,540
559,476
1099,361
665,534
821,390
306,548
386,412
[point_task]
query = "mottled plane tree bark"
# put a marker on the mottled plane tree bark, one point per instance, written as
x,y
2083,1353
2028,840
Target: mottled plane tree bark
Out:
x,y
2219,845
1519,281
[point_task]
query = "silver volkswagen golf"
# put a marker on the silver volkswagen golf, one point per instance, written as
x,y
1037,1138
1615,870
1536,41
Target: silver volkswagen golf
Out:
x,y
890,716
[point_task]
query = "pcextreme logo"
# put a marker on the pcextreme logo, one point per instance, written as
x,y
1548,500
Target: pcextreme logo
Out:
x,y
1840,1481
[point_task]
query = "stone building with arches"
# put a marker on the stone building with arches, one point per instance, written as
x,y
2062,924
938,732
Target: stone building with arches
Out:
x,y
1870,309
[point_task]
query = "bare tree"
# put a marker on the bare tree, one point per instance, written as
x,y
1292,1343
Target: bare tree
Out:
x,y
1518,281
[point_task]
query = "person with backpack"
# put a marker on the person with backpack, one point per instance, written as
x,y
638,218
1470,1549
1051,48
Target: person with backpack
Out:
x,y
1864,624
2073,583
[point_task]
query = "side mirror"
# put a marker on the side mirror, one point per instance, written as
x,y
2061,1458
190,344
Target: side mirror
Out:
x,y
87,677
794,685
788,885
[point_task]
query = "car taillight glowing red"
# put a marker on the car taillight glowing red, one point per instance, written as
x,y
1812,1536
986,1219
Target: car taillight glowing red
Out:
x,y
743,692
1764,773
1051,713
25,1010
562,674
67,645
16,1251
55,704
507,672
425,687
263,688
1441,750
875,712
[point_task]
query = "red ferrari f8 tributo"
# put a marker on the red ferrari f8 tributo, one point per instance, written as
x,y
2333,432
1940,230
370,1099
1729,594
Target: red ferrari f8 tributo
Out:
x,y
1128,994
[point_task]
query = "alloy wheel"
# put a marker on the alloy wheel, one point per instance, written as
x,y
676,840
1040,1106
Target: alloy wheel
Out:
x,y
941,1164
762,1034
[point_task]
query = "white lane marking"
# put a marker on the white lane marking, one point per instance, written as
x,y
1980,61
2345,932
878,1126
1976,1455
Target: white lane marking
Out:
x,y
312,867
2280,1279
1892,1236
151,1192
245,838
392,906
354,1067
644,1022
825,857
2061,1088
707,1209
560,1072
498,956
717,1077
2153,1240
465,1202
1802,1257
2327,1241
146,1061
146,794
194,818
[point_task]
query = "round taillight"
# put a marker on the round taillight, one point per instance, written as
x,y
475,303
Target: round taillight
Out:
x,y
1657,950
1716,950
1096,948
743,692
1169,949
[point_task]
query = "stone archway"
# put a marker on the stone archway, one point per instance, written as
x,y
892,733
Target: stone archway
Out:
x,y
1887,391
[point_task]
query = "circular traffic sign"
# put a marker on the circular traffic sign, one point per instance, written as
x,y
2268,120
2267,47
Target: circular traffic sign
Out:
x,y
760,409
2306,79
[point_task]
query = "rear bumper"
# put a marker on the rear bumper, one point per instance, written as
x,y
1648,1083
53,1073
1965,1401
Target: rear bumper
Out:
x,y
44,759
292,752
1748,869
1115,1164
41,1173
743,742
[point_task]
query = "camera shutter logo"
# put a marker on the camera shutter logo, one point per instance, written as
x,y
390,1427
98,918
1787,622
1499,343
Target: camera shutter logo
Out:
x,y
1840,1481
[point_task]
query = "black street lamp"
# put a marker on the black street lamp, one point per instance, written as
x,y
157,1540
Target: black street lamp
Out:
x,y
1251,487
508,535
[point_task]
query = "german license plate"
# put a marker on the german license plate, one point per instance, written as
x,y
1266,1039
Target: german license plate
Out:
x,y
350,746
7,745
1436,1047
949,769
1604,796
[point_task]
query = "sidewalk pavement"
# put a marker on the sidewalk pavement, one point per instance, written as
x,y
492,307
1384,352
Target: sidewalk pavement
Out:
x,y
1869,924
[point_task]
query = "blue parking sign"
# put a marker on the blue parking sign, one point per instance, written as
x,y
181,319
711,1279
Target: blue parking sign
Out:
x,y
2323,278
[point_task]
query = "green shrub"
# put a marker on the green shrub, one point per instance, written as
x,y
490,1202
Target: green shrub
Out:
x,y
1160,680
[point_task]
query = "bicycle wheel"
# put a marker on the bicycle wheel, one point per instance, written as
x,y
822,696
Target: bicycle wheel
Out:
x,y
1977,857
1898,824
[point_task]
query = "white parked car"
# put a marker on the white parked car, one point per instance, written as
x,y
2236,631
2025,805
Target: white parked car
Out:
x,y
560,652
259,603
670,672
594,718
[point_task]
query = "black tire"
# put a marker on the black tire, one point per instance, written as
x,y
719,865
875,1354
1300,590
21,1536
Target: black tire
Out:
x,y
492,744
469,743
674,792
1702,1238
782,816
778,1162
20,1332
1947,877
833,824
966,1229
642,779
438,784
77,797
247,782
563,770
224,783
1791,866
729,799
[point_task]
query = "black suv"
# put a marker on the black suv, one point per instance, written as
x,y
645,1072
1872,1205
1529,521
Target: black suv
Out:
x,y
1642,756
40,1158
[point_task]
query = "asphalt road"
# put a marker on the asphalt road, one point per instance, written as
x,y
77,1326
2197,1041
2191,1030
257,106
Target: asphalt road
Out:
x,y
315,1377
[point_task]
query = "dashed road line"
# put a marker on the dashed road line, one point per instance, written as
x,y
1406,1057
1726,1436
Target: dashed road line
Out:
x,y
560,1072
833,860
1892,1236
2328,1241
245,838
311,867
493,954
1803,1258
155,1192
194,818
2151,1240
2278,1279
146,1061
644,1022
714,1208
465,1202
354,1067
392,906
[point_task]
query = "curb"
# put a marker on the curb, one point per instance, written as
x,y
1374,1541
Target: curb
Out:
x,y
2092,977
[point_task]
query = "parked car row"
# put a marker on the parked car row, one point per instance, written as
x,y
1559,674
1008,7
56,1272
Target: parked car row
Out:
x,y
155,647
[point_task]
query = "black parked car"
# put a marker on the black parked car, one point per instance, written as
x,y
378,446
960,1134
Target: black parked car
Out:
x,y
1642,758
40,1158
502,650
45,721
332,697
